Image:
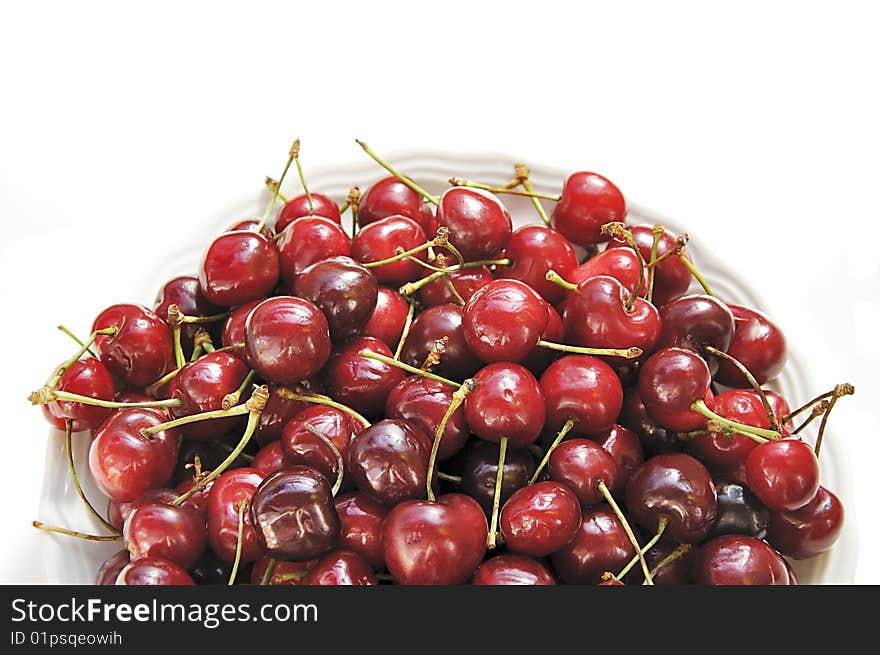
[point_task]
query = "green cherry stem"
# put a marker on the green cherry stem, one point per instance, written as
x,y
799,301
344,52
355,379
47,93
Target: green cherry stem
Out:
x,y
340,465
618,231
302,177
42,397
238,410
757,434
628,353
681,550
603,489
294,151
656,232
496,497
661,527
369,354
699,278
73,533
232,399
768,409
68,442
556,278
267,574
77,340
273,186
56,376
566,428
454,479
241,506
411,287
319,399
407,326
522,176
459,181
839,391
408,182
457,399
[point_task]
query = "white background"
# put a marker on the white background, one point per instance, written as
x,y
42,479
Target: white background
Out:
x,y
756,125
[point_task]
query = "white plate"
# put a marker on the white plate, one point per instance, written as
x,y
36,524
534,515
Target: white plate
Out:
x,y
73,561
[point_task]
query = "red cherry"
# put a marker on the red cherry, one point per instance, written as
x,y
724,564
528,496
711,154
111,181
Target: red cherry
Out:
x,y
783,474
202,385
299,207
251,225
535,250
584,389
480,471
600,544
540,358
808,530
506,402
110,569
383,240
540,519
117,512
624,447
340,567
780,407
443,322
739,405
239,267
302,446
581,465
283,573
141,351
671,277
388,318
226,493
86,377
669,383
185,292
280,409
619,263
512,570
233,329
309,240
466,281
588,202
177,534
270,458
654,439
696,321
677,572
153,571
739,560
197,501
358,382
758,344
360,521
479,224
391,197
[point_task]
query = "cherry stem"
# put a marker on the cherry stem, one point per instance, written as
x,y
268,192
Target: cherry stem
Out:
x,y
840,390
202,340
319,399
459,181
566,428
522,177
238,410
455,294
628,353
77,340
556,278
661,527
302,177
353,201
232,399
158,384
56,376
369,354
267,574
241,505
680,243
68,438
73,533
603,489
657,232
455,479
411,287
496,498
618,231
768,408
818,410
294,151
44,396
408,182
179,357
230,348
457,399
757,434
442,240
407,325
843,389
681,550
699,278
225,446
438,347
340,465
274,186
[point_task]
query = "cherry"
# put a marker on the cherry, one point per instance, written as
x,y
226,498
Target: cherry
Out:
x,y
808,530
725,448
583,389
358,382
671,277
341,288
481,470
197,499
239,267
270,458
210,570
283,573
677,488
739,560
588,202
85,377
287,339
675,571
619,263
389,461
279,411
581,464
540,519
383,240
479,224
780,407
599,544
309,240
202,385
434,542
302,446
535,250
540,358
233,328
153,571
670,381
118,512
512,570
506,403
340,567
758,344
653,438
625,449
435,324
388,319
123,463
141,351
696,321
739,511
227,491
391,197
252,225
185,292
177,534
503,321
110,569
783,474
300,207
466,281
360,530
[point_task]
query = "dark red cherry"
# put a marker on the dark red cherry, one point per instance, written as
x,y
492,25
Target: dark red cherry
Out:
x,y
141,351
280,409
783,474
302,446
440,542
283,573
671,278
808,530
588,202
211,570
581,465
227,491
287,339
758,344
600,545
341,288
250,225
270,458
340,567
624,447
739,511
506,402
739,405
739,560
233,328
540,358
634,416
185,292
669,383
177,534
584,389
110,569
86,377
677,572
389,461
443,322
479,223
358,382
118,512
153,571
308,240
300,207
391,197
360,521
696,321
123,463
540,519
675,487
481,469
239,267
388,318
503,321
466,281
198,501
536,249
619,263
423,402
383,240
512,570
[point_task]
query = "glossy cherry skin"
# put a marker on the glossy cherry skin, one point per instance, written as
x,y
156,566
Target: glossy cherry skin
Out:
x,y
479,224
239,267
506,402
758,344
783,474
287,339
677,572
481,469
739,560
695,321
341,288
210,570
340,567
118,512
110,569
440,542
270,458
671,278
677,487
284,573
185,292
540,519
624,447
280,409
536,249
584,389
382,239
360,521
123,463
599,545
250,225
86,377
467,282
739,511
619,263
301,446
361,383
669,383
153,571
389,462
740,405
309,240
423,402
588,202
177,534
299,207
391,197
503,321
512,570
654,438
388,318
436,323
202,385
233,328
580,464
141,351
227,491
780,407
809,530
540,358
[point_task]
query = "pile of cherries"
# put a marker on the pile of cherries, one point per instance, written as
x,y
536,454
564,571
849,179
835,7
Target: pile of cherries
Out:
x,y
442,399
